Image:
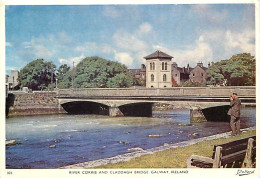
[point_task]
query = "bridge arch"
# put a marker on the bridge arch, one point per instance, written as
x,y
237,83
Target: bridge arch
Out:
x,y
85,107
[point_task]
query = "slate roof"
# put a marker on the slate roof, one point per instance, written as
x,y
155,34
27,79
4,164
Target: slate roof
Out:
x,y
134,71
158,54
185,71
203,68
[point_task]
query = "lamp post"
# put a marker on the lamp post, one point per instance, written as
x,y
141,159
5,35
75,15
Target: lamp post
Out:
x,y
56,83
51,77
73,75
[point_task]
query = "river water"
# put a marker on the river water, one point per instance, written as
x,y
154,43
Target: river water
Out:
x,y
54,141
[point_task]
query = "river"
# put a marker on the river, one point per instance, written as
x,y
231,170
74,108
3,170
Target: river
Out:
x,y
53,141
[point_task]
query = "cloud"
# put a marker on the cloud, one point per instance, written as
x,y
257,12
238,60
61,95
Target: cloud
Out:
x,y
144,28
200,51
124,58
129,42
240,41
8,44
70,61
34,49
48,47
92,48
213,45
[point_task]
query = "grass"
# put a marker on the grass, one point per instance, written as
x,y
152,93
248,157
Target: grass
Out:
x,y
175,158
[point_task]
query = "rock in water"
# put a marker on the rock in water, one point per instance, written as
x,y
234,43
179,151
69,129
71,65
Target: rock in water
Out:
x,y
52,146
154,136
11,142
195,134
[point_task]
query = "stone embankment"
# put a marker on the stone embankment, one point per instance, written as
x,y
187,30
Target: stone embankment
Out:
x,y
32,103
139,151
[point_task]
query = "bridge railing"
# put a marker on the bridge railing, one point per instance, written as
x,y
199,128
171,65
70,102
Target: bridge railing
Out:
x,y
248,91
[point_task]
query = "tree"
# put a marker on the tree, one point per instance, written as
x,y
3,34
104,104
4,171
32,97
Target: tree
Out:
x,y
37,75
62,70
95,72
120,80
238,70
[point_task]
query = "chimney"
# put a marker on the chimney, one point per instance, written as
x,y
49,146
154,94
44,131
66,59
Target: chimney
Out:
x,y
174,64
200,64
188,67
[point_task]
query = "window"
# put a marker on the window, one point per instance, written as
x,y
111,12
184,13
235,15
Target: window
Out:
x,y
164,77
162,65
153,66
202,74
152,77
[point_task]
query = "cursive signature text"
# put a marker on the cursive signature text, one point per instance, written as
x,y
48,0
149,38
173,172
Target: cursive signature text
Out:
x,y
244,172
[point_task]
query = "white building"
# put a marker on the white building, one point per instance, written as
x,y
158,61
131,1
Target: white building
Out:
x,y
13,79
158,70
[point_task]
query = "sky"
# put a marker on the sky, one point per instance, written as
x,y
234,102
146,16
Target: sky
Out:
x,y
128,33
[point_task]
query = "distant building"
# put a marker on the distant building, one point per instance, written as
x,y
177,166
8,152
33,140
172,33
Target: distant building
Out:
x,y
158,70
6,78
198,74
13,79
180,74
138,73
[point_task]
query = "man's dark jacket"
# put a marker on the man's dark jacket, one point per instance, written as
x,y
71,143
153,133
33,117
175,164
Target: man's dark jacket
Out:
x,y
235,107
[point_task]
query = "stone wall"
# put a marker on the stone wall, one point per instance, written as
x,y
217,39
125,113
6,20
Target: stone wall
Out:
x,y
175,91
32,103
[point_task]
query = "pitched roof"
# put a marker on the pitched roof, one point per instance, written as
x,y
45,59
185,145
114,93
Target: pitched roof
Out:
x,y
158,54
134,71
203,68
184,70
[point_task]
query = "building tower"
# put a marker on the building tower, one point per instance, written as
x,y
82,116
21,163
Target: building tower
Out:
x,y
158,70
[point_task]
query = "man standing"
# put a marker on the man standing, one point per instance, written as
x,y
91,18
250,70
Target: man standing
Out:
x,y
234,113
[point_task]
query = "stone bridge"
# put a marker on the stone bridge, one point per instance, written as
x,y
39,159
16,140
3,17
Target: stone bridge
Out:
x,y
138,101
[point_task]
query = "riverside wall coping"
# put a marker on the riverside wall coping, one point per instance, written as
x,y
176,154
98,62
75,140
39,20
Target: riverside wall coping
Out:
x,y
129,156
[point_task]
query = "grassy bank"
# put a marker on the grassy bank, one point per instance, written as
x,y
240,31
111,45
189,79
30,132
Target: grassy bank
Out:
x,y
175,158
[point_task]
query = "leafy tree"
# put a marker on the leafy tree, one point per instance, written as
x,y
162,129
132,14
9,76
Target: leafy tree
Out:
x,y
238,70
37,74
95,72
120,80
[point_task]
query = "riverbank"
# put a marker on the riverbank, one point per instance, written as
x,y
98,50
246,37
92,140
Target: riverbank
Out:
x,y
167,156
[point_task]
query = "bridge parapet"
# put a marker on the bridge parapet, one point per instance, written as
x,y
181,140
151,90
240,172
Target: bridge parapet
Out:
x,y
248,91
